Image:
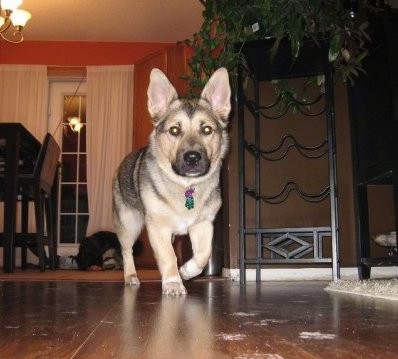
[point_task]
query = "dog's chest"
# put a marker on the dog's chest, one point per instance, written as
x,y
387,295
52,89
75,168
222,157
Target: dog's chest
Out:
x,y
179,213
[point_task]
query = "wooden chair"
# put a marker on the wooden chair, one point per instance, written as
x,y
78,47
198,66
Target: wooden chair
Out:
x,y
40,187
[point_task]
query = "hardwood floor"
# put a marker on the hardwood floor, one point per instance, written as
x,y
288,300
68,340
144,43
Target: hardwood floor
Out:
x,y
218,319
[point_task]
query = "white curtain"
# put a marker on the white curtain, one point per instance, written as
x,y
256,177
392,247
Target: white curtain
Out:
x,y
24,97
109,136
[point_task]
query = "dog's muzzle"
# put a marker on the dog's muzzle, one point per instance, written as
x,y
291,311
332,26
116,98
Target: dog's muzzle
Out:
x,y
191,163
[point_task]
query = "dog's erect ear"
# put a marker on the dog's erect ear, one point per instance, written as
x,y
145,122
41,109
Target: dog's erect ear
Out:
x,y
218,93
160,94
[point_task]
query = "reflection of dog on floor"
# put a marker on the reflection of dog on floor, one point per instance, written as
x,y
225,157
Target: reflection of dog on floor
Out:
x,y
102,251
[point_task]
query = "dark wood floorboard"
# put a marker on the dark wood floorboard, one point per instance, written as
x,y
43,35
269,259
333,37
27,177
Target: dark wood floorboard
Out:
x,y
218,319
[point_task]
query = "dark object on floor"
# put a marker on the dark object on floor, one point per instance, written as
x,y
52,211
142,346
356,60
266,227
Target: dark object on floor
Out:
x,y
102,251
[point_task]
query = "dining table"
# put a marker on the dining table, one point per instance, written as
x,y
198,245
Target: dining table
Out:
x,y
19,149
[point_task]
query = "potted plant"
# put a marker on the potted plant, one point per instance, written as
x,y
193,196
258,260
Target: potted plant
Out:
x,y
228,22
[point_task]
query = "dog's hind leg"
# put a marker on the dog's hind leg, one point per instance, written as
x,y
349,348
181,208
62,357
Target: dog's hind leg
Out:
x,y
129,227
201,236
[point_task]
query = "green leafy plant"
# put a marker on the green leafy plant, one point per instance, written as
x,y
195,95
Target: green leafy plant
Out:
x,y
228,22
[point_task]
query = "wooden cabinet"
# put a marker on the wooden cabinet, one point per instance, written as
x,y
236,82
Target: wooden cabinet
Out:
x,y
374,118
173,62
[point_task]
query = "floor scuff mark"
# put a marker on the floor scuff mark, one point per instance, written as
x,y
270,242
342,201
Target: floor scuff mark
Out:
x,y
316,335
243,314
226,336
259,356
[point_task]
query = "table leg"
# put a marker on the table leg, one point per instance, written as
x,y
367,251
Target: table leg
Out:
x,y
10,206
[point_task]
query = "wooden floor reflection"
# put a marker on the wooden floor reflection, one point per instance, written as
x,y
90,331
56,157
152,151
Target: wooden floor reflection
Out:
x,y
218,319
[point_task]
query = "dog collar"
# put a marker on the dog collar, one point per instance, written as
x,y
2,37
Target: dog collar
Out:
x,y
189,201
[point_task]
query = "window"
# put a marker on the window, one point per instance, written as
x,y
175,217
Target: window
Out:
x,y
67,101
73,216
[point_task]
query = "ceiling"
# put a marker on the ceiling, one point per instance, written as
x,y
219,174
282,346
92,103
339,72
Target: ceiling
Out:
x,y
112,20
115,20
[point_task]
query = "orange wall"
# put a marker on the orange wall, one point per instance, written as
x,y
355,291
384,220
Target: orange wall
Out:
x,y
68,53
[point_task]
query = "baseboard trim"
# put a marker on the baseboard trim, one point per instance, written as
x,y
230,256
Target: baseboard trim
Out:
x,y
292,274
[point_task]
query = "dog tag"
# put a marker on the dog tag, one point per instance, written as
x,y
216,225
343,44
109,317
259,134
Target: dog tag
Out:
x,y
189,201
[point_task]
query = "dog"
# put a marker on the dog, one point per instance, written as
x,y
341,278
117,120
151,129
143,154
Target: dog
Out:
x,y
172,185
102,251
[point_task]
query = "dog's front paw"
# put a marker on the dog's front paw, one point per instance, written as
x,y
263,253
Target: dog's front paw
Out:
x,y
132,280
190,270
173,287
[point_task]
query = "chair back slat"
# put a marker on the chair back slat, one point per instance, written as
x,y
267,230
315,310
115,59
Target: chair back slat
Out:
x,y
47,161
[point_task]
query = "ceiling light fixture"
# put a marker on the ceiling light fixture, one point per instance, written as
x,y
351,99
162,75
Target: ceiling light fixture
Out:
x,y
12,20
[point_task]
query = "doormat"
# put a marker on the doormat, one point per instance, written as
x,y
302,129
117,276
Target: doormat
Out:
x,y
375,288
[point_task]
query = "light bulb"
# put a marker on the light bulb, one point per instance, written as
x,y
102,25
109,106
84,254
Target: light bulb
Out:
x,y
73,121
19,18
10,4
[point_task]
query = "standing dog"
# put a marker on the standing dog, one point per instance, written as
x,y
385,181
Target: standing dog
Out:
x,y
172,186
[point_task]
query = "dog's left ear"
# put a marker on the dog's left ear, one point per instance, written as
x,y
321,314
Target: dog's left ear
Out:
x,y
160,94
218,93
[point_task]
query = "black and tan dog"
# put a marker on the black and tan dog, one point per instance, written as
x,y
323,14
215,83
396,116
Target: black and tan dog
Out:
x,y
172,186
102,250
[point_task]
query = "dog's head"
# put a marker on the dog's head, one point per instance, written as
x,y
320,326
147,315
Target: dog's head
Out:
x,y
190,136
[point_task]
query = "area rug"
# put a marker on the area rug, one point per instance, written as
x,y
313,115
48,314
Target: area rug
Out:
x,y
375,288
76,275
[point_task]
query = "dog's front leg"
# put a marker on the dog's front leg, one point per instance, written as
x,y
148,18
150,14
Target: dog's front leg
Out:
x,y
128,224
160,239
126,240
201,236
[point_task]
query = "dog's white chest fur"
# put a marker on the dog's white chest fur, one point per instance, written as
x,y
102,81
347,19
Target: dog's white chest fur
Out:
x,y
181,224
175,215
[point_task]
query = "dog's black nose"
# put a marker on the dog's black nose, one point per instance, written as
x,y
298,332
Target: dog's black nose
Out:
x,y
192,158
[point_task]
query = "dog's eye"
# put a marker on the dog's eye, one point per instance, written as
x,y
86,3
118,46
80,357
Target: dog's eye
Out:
x,y
207,130
174,131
